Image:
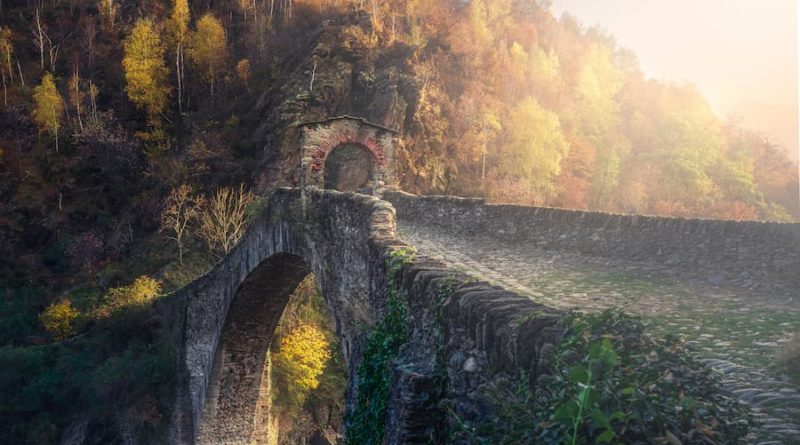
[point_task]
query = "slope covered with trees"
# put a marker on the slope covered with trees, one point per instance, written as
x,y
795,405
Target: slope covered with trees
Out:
x,y
130,125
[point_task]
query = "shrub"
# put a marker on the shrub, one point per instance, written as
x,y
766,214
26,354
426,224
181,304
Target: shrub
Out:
x,y
59,318
609,381
142,291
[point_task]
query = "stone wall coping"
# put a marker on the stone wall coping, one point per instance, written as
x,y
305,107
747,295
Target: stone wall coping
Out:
x,y
344,117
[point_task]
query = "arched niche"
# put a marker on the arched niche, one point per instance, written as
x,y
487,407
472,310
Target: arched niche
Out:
x,y
323,139
350,168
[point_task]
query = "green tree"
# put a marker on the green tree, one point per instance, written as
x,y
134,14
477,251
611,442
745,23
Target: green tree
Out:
x,y
208,51
145,69
49,106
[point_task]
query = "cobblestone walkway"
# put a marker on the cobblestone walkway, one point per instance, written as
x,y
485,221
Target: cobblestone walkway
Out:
x,y
733,331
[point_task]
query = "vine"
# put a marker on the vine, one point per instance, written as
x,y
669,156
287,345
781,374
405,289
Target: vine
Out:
x,y
366,423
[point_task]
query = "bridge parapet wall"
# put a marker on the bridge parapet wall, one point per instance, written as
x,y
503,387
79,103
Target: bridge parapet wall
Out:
x,y
747,254
465,337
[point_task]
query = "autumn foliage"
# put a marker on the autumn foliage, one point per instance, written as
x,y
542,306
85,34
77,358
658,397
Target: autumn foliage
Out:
x,y
59,319
145,69
576,122
301,359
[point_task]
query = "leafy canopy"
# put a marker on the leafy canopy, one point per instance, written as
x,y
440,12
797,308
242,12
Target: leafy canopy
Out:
x,y
145,69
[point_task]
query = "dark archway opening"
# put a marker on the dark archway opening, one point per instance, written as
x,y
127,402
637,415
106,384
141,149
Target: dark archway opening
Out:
x,y
247,402
350,168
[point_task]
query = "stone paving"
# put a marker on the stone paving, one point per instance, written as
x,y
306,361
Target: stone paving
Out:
x,y
736,332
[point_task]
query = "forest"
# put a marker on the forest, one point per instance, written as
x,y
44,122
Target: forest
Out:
x,y
127,126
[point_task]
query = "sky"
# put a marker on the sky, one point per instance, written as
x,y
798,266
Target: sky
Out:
x,y
742,54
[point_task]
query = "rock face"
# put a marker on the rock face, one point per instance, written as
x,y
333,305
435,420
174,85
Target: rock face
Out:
x,y
349,79
462,335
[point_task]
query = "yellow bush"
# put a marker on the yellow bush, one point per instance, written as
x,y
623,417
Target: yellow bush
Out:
x,y
302,358
58,319
143,290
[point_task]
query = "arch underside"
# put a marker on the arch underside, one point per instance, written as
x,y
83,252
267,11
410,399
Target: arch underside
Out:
x,y
236,409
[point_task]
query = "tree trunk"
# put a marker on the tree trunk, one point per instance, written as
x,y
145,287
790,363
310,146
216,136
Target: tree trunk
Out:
x,y
5,91
40,39
78,99
179,75
21,79
8,62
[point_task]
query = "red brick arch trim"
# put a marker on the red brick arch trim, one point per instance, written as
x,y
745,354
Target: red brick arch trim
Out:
x,y
322,151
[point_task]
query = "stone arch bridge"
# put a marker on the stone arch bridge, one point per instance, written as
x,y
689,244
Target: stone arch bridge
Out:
x,y
224,321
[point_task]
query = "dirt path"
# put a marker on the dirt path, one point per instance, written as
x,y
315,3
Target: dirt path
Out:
x,y
735,332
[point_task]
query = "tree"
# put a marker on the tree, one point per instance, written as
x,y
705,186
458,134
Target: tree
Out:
x,y
180,23
145,69
243,72
6,49
535,148
208,51
223,219
48,106
108,9
58,319
76,96
180,209
302,358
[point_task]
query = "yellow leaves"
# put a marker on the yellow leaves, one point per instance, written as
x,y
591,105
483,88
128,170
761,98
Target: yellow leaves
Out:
x,y
302,358
536,147
180,20
48,106
58,319
478,18
143,290
145,69
208,51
